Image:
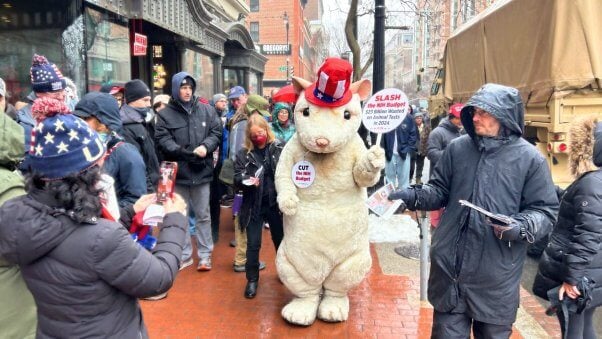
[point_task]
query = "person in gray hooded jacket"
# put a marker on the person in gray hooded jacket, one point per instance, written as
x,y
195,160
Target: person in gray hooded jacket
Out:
x,y
476,264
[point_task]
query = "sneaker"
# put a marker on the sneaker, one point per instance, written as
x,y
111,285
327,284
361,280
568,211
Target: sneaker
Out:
x,y
157,297
241,268
266,225
204,265
186,263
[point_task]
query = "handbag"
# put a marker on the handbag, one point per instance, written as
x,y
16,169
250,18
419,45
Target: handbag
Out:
x,y
226,174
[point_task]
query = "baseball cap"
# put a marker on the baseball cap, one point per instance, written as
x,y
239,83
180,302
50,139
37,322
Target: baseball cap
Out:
x,y
455,109
236,92
257,103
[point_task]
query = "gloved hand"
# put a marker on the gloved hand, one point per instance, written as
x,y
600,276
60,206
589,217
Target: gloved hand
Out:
x,y
508,232
408,195
403,155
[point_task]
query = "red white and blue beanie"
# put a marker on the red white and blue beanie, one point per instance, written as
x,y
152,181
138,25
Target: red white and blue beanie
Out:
x,y
45,76
61,143
332,87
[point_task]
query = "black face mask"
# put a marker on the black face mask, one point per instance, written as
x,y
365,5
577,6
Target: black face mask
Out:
x,y
143,111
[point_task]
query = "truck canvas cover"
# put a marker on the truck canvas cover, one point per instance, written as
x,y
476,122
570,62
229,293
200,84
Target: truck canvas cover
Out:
x,y
546,48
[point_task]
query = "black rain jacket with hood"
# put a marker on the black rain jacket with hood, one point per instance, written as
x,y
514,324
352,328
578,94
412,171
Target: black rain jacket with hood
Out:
x,y
183,127
573,251
472,271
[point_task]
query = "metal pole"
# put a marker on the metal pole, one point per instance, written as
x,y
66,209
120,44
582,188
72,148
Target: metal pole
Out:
x,y
288,48
379,46
425,225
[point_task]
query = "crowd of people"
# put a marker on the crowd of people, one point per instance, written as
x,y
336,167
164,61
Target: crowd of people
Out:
x,y
58,150
60,153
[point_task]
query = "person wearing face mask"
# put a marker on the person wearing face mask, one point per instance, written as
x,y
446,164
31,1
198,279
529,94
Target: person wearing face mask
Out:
x,y
136,129
254,170
238,135
122,161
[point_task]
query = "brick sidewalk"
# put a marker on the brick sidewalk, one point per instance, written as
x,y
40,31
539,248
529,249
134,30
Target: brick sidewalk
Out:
x,y
212,305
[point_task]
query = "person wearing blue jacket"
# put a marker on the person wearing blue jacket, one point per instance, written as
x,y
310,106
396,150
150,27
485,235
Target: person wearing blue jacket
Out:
x,y
123,162
398,145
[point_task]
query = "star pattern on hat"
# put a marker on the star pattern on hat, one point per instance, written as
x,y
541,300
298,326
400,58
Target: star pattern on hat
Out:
x,y
73,135
39,150
319,95
39,127
62,147
58,125
79,123
48,138
85,141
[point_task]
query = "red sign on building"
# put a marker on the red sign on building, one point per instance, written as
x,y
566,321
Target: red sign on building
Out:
x,y
140,44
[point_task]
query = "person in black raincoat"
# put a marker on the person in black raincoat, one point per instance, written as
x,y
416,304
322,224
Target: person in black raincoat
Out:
x,y
573,252
475,266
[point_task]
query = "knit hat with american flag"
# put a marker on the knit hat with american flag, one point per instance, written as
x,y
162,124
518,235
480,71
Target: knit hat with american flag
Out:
x,y
332,87
45,76
61,143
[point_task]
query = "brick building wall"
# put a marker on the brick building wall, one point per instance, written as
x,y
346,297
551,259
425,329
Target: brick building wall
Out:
x,y
272,30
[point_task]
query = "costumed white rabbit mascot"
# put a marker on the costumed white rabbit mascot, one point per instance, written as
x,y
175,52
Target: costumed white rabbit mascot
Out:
x,y
321,181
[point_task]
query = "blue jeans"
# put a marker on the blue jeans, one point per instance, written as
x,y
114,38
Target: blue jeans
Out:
x,y
197,198
397,171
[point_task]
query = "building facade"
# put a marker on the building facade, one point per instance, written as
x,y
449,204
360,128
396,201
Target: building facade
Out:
x,y
290,34
97,42
434,23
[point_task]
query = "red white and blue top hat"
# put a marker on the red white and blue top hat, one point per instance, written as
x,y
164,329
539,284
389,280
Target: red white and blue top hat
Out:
x,y
332,87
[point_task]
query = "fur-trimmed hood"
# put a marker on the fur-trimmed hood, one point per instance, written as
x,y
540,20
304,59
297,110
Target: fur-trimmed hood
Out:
x,y
585,146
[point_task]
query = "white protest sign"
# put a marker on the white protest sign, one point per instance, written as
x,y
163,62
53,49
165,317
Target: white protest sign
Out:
x,y
385,110
303,174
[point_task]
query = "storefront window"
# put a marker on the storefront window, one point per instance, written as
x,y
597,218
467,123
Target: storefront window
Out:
x,y
253,83
109,50
233,77
52,28
201,68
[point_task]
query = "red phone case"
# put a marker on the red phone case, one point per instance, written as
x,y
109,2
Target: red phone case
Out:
x,y
167,181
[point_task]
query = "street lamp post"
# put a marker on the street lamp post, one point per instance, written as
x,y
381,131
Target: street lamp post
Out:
x,y
285,18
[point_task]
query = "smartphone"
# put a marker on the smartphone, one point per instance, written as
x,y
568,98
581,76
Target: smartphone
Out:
x,y
167,181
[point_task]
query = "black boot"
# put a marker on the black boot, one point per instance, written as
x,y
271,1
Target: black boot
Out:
x,y
251,289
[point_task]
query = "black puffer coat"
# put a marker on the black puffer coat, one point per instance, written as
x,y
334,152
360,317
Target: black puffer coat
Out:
x,y
86,278
574,250
438,140
505,175
245,166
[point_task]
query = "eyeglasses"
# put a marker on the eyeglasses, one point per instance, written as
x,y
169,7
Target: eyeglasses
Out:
x,y
480,113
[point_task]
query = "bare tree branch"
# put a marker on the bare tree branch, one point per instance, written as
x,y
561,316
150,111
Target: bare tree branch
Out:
x,y
368,63
350,27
